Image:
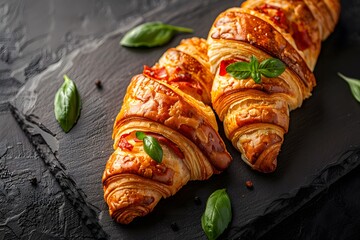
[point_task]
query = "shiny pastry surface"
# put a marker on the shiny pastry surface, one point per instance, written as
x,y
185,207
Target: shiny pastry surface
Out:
x,y
256,116
168,102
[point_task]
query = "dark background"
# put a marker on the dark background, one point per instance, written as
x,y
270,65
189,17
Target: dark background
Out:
x,y
50,182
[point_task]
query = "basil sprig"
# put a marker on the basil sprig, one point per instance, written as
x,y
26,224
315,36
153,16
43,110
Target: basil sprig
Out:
x,y
270,68
151,146
67,104
151,34
217,215
354,86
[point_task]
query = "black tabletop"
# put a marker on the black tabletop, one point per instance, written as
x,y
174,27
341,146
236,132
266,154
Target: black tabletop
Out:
x,y
50,182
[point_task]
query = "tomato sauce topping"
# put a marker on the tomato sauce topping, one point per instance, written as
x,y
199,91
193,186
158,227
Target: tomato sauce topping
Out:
x,y
224,64
297,30
124,144
157,73
277,15
301,36
184,79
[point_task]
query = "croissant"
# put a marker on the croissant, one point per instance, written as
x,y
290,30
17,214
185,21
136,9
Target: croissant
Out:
x,y
167,101
256,116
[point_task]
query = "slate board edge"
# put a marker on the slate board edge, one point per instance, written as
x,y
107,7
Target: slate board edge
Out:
x,y
285,206
276,212
75,195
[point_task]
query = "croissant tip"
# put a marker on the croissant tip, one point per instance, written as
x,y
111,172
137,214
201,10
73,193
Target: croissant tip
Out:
x,y
269,167
267,160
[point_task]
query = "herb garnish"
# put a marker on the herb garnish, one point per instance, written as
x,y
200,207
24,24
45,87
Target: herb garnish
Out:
x,y
270,68
151,146
217,215
151,34
354,86
67,104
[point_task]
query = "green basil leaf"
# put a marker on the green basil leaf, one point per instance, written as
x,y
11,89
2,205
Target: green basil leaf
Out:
x,y
271,67
239,70
256,76
151,34
354,86
153,148
254,64
217,215
140,135
67,104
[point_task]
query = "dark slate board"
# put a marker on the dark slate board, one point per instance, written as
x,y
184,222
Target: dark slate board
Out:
x,y
29,195
320,148
331,215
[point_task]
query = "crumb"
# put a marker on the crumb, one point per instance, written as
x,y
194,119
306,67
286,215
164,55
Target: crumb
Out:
x,y
249,184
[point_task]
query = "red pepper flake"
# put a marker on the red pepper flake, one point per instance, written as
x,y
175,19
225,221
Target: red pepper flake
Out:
x,y
224,64
277,15
157,73
265,8
124,144
280,20
249,184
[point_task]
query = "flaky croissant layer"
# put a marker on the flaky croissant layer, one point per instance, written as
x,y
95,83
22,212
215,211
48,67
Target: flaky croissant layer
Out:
x,y
256,116
168,102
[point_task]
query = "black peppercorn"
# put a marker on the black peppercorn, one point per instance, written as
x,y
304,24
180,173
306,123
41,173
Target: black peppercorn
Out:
x,y
33,181
197,200
98,84
174,227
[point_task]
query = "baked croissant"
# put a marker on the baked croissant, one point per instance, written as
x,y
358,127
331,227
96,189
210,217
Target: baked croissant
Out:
x,y
256,116
168,101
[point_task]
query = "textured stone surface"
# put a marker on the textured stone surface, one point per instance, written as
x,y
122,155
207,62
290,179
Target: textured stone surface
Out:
x,y
81,40
331,215
33,206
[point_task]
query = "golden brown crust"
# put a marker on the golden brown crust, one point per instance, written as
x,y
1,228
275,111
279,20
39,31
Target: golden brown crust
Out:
x,y
294,20
288,85
326,12
256,116
155,101
236,25
167,103
188,74
197,48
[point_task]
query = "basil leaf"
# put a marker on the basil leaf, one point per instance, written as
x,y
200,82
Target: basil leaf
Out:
x,y
256,76
217,215
354,86
67,104
153,148
239,70
254,64
151,34
140,135
271,67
